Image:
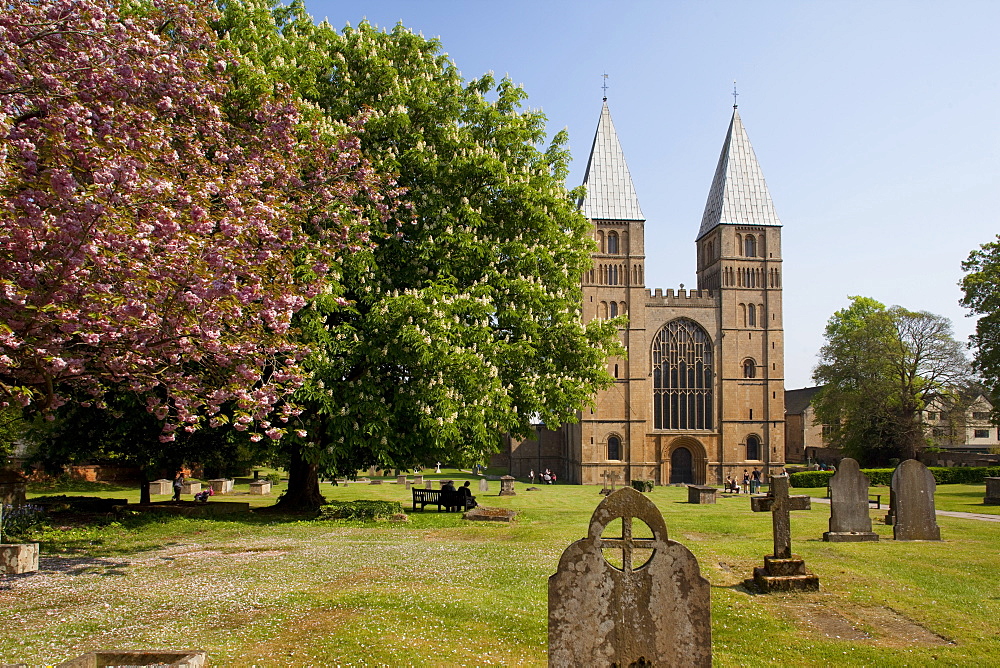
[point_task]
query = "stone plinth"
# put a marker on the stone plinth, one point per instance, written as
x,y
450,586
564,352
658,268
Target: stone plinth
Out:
x,y
260,487
221,485
507,485
170,659
161,487
190,487
418,479
401,480
701,494
375,482
992,497
784,574
429,484
17,558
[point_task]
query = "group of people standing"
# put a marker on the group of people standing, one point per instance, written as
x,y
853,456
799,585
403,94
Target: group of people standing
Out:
x,y
750,484
549,478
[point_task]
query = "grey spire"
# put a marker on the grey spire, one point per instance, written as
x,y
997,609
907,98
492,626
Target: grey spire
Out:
x,y
610,193
738,195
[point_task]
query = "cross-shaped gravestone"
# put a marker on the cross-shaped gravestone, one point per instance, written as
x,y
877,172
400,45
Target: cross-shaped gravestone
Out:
x,y
779,503
602,613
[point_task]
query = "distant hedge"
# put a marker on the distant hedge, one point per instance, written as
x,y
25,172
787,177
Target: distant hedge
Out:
x,y
359,510
943,475
810,478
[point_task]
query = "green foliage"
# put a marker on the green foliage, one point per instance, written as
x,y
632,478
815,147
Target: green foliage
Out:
x,y
880,367
274,478
121,431
361,509
18,523
642,485
810,478
966,475
981,286
463,320
963,475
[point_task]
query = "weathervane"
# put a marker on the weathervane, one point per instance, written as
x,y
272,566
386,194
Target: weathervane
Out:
x,y
605,86
734,93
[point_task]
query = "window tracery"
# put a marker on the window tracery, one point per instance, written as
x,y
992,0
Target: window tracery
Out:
x,y
682,377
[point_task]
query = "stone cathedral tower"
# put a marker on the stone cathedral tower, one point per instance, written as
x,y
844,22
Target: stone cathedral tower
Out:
x,y
701,393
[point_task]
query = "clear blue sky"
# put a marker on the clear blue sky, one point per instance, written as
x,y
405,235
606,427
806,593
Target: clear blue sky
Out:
x,y
875,124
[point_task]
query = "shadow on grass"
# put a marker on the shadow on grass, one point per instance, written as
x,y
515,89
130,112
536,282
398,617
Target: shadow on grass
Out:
x,y
59,486
83,565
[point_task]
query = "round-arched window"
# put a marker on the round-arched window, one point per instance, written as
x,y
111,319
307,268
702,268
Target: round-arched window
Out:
x,y
750,243
753,447
614,448
749,368
612,243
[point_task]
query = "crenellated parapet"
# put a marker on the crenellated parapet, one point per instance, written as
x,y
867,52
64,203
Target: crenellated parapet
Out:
x,y
682,297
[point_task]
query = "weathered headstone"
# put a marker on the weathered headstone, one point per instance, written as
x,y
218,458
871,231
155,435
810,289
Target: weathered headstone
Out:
x,y
850,521
913,503
701,494
418,479
484,485
136,659
507,485
429,484
782,571
656,613
992,497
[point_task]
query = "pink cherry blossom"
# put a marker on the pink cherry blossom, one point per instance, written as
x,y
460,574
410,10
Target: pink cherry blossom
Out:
x,y
149,233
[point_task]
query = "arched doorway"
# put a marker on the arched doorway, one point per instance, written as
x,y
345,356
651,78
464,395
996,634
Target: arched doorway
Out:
x,y
681,466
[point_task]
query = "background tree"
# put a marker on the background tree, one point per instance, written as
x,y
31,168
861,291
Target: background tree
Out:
x,y
981,286
146,241
880,367
464,322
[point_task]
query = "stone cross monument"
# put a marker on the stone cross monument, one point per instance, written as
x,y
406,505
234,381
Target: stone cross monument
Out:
x,y
782,570
850,521
649,608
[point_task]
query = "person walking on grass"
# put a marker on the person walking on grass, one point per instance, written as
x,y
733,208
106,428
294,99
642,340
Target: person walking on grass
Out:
x,y
178,485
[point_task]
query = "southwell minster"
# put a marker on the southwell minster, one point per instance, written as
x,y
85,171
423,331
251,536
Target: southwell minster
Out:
x,y
700,394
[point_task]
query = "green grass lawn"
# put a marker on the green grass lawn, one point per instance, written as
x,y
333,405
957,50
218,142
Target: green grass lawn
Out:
x,y
271,590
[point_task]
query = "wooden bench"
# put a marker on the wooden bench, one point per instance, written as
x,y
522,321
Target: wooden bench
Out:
x,y
444,499
875,499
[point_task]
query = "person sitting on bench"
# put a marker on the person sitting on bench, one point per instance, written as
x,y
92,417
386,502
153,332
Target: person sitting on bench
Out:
x,y
465,493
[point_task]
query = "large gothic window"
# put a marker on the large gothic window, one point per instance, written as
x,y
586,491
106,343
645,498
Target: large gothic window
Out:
x,y
682,377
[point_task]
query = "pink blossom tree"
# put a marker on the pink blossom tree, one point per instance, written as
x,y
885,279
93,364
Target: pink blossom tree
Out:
x,y
153,237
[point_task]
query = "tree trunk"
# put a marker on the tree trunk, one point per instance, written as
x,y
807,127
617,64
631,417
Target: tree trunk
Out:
x,y
144,497
303,486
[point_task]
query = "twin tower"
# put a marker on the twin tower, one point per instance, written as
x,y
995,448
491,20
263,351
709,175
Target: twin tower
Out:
x,y
701,393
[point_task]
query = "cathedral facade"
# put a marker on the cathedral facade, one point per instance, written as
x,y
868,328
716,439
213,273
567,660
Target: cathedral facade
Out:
x,y
700,394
